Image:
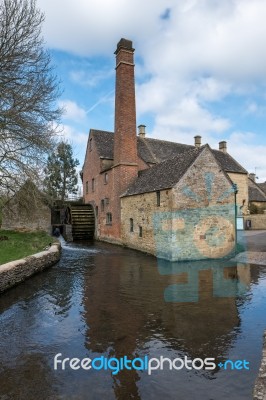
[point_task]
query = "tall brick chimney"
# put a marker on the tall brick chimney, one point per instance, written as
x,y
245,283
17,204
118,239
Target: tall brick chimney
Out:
x,y
125,139
125,168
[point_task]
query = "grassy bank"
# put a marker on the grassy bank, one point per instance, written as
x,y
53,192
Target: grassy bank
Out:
x,y
15,245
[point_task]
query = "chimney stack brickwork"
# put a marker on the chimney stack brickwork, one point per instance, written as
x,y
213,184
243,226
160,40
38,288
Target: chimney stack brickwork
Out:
x,y
125,168
252,176
125,147
223,146
142,132
197,139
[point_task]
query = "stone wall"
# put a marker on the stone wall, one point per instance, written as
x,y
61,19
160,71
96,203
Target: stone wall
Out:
x,y
17,271
28,210
258,221
141,208
195,219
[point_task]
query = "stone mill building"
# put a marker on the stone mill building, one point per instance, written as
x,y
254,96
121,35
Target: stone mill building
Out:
x,y
176,201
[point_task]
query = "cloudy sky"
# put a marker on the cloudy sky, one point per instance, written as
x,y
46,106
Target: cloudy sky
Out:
x,y
200,69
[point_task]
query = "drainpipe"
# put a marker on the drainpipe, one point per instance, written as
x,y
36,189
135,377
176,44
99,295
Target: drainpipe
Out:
x,y
235,193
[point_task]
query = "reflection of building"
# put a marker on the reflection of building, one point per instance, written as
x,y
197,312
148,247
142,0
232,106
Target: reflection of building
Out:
x,y
128,179
126,311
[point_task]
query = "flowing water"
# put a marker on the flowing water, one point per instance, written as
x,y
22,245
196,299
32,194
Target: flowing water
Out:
x,y
106,301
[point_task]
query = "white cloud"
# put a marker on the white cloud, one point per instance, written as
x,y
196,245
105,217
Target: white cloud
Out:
x,y
73,136
242,146
202,52
72,111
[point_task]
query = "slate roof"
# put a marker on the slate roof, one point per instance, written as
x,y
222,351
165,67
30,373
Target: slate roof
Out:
x,y
104,142
262,186
163,175
154,151
254,192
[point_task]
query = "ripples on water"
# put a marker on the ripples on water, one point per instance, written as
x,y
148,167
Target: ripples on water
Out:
x,y
106,300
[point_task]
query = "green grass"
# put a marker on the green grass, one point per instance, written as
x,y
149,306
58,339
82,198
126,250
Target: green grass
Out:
x,y
22,244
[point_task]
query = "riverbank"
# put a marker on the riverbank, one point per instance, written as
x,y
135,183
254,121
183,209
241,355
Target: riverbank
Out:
x,y
15,245
14,272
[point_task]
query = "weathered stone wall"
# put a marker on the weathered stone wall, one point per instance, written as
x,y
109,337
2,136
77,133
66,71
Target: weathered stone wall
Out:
x,y
242,185
28,209
258,221
196,219
259,392
17,271
141,208
16,217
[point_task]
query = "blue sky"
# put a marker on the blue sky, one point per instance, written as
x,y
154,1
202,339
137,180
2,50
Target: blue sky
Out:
x,y
200,69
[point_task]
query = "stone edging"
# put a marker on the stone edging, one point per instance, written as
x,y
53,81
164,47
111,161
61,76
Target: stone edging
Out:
x,y
259,392
17,271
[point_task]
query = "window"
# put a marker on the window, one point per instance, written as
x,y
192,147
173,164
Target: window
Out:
x,y
93,184
140,231
87,187
105,178
131,225
96,211
102,205
158,194
108,219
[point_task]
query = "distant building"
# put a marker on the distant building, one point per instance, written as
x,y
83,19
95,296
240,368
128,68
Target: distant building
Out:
x,y
173,200
256,195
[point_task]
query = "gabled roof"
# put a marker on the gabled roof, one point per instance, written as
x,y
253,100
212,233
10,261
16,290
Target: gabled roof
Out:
x,y
156,151
255,193
165,174
104,142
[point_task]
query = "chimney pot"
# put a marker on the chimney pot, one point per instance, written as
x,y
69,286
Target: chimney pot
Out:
x,y
197,141
223,146
142,130
252,176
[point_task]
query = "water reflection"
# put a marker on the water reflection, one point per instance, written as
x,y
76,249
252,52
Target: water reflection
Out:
x,y
117,302
186,307
227,279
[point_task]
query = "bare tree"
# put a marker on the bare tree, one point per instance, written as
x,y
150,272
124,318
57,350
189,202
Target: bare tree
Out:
x,y
29,114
